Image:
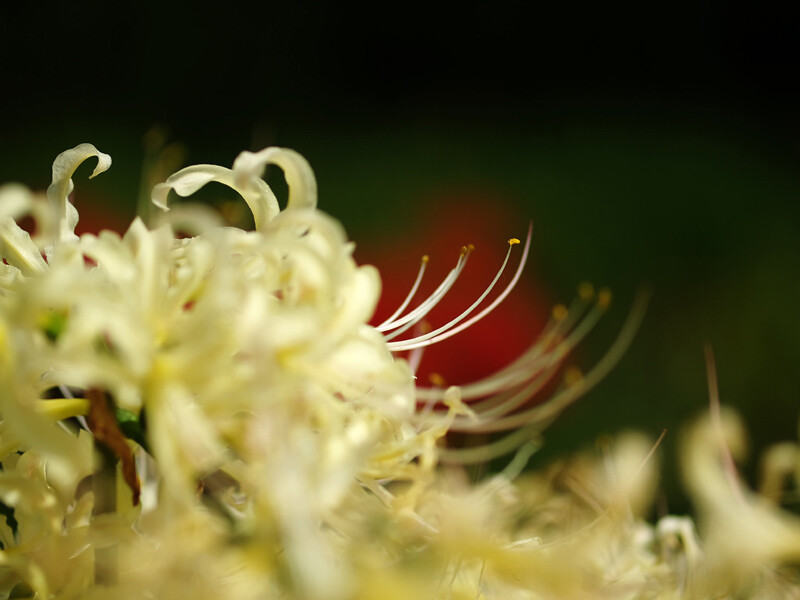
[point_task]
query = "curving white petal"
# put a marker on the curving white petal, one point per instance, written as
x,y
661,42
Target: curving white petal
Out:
x,y
16,200
249,166
192,218
17,248
61,187
257,194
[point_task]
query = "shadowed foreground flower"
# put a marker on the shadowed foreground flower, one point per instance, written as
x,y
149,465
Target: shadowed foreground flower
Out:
x,y
211,415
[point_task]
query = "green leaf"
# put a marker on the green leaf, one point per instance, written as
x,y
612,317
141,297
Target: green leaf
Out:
x,y
53,324
132,426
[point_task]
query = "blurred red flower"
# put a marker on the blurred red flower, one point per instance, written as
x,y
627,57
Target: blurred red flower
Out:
x,y
455,221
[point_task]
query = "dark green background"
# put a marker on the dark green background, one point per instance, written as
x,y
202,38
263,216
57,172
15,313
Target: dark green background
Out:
x,y
651,146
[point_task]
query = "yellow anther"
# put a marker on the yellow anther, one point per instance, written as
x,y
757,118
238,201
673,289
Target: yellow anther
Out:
x,y
425,259
424,327
437,380
572,376
586,291
560,312
604,298
513,241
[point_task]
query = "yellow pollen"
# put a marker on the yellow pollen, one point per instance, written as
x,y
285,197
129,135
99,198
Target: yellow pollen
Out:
x,y
572,376
560,312
437,380
586,291
604,298
513,241
425,259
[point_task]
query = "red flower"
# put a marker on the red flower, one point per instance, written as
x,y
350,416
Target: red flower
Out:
x,y
496,340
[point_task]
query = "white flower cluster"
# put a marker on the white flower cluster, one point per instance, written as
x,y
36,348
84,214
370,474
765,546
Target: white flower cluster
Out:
x,y
212,416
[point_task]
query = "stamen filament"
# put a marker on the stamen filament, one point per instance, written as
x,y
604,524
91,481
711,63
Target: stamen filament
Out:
x,y
549,350
490,451
387,323
557,403
423,309
453,327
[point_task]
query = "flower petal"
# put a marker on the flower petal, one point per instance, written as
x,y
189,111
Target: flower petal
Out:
x,y
15,200
249,166
64,167
257,194
18,249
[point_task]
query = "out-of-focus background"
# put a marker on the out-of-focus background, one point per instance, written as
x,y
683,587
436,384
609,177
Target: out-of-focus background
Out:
x,y
650,146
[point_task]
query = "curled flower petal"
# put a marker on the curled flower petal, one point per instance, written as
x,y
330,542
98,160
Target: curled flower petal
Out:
x,y
64,166
17,248
257,194
249,166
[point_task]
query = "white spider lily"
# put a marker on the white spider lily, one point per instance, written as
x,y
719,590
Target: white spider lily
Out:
x,y
282,445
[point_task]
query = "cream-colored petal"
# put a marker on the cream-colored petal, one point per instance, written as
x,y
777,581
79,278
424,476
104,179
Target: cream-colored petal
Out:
x,y
15,200
66,461
18,249
360,298
64,166
190,218
249,166
257,194
741,528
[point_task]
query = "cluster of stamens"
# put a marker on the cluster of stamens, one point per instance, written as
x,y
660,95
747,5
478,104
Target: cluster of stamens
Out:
x,y
522,397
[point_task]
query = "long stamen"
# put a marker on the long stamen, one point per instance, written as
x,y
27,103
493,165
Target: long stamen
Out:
x,y
538,416
455,325
565,330
544,356
388,322
408,321
495,401
415,356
